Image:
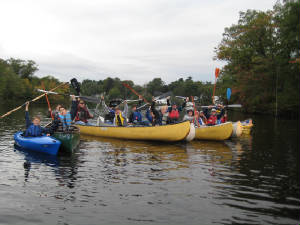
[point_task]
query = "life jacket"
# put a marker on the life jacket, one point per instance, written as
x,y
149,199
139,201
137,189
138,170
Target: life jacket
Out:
x,y
224,119
65,120
82,114
174,114
137,116
212,120
33,131
119,120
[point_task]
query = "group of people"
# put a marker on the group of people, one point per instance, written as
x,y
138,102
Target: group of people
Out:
x,y
168,114
61,119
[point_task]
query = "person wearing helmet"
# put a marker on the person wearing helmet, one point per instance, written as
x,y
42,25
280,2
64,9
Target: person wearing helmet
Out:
x,y
213,117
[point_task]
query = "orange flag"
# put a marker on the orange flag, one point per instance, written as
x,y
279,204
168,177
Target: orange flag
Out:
x,y
217,71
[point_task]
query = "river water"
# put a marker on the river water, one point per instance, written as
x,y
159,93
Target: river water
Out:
x,y
251,180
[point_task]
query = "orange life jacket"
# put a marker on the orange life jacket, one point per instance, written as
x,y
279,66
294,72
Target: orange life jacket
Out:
x,y
212,120
174,114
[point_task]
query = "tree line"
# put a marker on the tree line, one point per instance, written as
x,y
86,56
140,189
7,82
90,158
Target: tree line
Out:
x,y
262,55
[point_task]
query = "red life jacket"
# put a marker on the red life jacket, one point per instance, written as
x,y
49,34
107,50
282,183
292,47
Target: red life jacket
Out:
x,y
224,119
174,114
82,114
212,120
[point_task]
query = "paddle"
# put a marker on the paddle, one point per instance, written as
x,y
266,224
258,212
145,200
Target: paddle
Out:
x,y
181,97
85,98
33,100
228,106
157,98
228,94
133,91
75,85
49,106
217,71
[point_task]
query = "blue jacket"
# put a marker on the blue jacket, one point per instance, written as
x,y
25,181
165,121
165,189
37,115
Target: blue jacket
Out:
x,y
135,116
32,130
65,120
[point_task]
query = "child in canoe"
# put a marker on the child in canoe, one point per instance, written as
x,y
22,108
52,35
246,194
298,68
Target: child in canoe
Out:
x,y
33,128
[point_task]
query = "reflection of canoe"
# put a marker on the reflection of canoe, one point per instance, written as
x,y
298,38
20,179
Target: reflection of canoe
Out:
x,y
42,144
237,129
173,132
69,139
246,126
218,132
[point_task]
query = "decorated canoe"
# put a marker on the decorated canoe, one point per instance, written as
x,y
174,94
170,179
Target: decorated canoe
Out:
x,y
217,133
166,133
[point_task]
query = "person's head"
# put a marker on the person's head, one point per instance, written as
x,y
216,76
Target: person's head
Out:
x,y
81,103
190,112
133,108
201,113
213,111
58,107
174,106
117,111
36,120
62,111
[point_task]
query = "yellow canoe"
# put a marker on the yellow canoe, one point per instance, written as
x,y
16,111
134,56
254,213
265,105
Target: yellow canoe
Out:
x,y
218,132
247,126
168,133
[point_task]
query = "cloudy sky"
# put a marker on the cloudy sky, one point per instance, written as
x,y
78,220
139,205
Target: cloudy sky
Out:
x,y
133,39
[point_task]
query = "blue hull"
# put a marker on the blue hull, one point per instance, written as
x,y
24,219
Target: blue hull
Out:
x,y
44,144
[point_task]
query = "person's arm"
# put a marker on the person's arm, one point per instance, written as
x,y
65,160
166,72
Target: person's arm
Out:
x,y
168,101
74,105
27,120
125,111
148,116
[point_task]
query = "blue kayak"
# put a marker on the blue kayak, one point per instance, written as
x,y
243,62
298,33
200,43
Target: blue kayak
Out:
x,y
42,144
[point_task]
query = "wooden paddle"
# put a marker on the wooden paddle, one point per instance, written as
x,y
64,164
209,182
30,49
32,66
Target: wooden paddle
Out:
x,y
217,71
33,100
133,91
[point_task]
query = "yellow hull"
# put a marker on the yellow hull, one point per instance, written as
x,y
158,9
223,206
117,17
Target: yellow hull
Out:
x,y
217,132
168,133
246,127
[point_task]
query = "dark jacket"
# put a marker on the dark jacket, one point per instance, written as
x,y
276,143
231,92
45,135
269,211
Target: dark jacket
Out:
x,y
157,120
136,116
78,113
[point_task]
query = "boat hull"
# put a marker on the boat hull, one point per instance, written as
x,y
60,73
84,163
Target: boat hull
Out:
x,y
237,129
217,133
167,133
69,141
44,144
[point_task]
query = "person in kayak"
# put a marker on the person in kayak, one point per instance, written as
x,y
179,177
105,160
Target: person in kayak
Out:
x,y
34,128
154,116
174,111
213,117
65,118
79,112
120,118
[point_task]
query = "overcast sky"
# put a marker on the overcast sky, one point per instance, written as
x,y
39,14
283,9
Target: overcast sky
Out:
x,y
134,39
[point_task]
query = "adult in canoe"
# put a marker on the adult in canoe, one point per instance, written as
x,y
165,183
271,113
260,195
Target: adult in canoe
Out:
x,y
120,119
174,111
136,117
154,116
79,112
213,117
189,116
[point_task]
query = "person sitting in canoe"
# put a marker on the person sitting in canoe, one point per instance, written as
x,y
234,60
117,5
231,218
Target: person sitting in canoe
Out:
x,y
213,117
64,118
79,112
200,119
174,111
224,118
136,116
109,112
120,119
34,128
54,113
154,116
189,116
